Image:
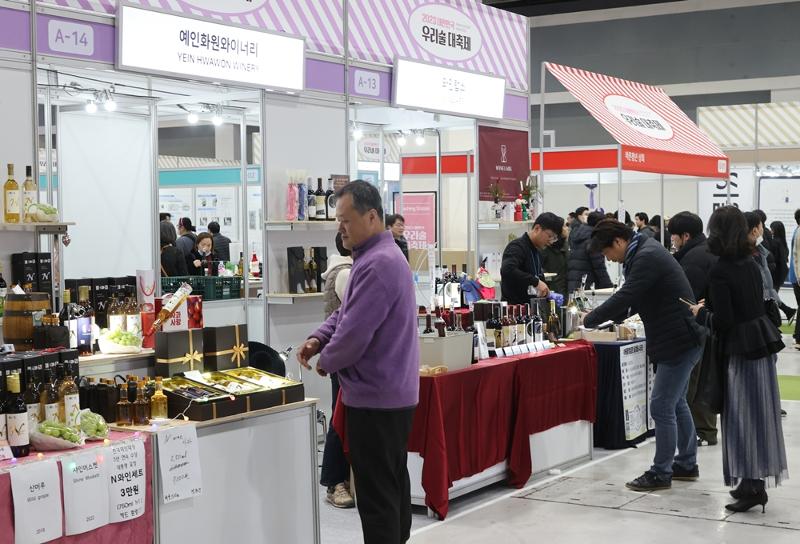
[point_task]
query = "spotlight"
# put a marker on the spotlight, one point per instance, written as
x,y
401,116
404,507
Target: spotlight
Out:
x,y
91,106
358,134
108,102
217,119
193,118
420,139
401,140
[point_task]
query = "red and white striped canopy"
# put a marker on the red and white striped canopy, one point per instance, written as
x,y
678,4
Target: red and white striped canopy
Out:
x,y
655,134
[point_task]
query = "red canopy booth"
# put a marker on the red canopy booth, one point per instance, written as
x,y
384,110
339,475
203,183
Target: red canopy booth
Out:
x,y
652,133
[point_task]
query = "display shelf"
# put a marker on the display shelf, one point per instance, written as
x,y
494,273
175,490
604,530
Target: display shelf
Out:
x,y
501,225
44,228
301,225
290,298
103,358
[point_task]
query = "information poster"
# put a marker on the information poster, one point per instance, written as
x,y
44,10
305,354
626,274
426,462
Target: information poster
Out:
x,y
85,482
179,461
419,211
177,202
37,503
217,204
633,370
127,484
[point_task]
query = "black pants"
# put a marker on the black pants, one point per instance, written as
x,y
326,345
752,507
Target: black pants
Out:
x,y
335,468
378,442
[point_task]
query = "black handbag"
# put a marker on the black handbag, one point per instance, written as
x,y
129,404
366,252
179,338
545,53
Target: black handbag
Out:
x,y
710,391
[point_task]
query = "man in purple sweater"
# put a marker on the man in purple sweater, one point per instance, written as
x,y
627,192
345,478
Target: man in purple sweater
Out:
x,y
371,343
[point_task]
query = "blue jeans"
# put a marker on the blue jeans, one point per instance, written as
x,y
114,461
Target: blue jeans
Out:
x,y
670,411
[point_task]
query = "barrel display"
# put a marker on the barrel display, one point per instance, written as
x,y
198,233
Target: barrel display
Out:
x,y
20,311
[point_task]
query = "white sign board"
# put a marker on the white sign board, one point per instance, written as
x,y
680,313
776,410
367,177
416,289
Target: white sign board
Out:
x,y
127,483
445,32
158,42
713,194
179,461
85,482
436,88
633,372
37,502
779,198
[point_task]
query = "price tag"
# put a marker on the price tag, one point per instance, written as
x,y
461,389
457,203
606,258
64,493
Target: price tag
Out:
x,y
5,452
367,83
179,462
37,502
127,484
516,350
70,37
85,483
526,348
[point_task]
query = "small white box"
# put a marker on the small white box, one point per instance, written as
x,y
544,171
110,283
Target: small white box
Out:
x,y
453,350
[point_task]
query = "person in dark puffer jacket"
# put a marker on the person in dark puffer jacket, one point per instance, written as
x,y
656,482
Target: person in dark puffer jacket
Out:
x,y
582,262
654,285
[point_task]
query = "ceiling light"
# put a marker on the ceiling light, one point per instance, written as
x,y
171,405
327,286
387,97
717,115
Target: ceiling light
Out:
x,y
420,139
217,119
108,102
192,118
358,134
401,140
91,106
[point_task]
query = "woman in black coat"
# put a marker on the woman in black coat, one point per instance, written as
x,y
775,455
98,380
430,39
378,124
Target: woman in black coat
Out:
x,y
202,257
173,263
781,254
580,261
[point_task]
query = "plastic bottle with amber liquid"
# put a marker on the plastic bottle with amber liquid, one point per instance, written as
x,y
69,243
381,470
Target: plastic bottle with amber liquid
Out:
x,y
124,408
141,408
158,402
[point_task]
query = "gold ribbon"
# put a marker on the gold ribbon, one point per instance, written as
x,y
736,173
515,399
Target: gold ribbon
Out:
x,y
237,352
191,357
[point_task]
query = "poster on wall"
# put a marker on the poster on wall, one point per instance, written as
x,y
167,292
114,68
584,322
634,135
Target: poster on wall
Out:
x,y
217,204
713,194
504,161
633,372
419,211
779,198
177,203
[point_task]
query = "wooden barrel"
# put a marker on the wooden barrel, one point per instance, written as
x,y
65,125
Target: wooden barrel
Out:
x,y
18,318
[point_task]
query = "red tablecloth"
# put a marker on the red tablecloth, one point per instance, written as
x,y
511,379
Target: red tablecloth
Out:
x,y
472,419
136,531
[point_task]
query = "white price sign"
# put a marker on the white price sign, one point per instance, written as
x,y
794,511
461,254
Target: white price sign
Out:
x,y
179,461
367,83
85,482
127,482
155,41
437,88
70,37
37,503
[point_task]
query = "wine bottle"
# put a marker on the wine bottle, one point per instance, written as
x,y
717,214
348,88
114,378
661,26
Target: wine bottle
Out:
x,y
538,325
30,195
521,324
141,408
48,399
494,327
31,398
86,341
170,306
17,418
3,292
553,322
312,201
133,314
116,314
123,408
69,403
322,207
68,318
158,402
330,202
508,328
11,198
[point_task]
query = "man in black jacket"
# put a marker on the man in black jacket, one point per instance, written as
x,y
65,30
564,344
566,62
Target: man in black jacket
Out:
x,y
581,262
686,230
522,262
654,285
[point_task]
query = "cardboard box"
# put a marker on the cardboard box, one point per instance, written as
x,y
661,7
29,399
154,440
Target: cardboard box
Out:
x,y
101,299
69,359
219,404
178,352
44,272
225,347
32,365
23,270
454,350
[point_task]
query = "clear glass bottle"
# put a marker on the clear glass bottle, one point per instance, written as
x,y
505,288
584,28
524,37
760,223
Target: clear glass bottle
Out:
x,y
124,409
48,398
11,198
158,402
554,329
30,195
69,403
17,423
141,408
31,398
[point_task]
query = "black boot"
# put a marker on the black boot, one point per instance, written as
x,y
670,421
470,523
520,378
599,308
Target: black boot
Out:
x,y
738,493
751,493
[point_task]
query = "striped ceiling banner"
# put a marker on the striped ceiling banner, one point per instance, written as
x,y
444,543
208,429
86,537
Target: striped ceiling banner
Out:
x,y
166,162
320,21
646,122
460,33
735,127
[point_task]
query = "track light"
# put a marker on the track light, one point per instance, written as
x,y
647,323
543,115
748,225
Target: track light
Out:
x,y
401,140
420,138
217,119
357,134
108,101
192,118
91,106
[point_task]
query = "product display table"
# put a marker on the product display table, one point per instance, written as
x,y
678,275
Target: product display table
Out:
x,y
136,531
614,359
483,417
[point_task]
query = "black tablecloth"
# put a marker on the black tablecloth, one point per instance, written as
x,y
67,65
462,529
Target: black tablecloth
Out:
x,y
609,427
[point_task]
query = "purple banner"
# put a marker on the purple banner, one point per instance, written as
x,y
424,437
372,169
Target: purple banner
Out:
x,y
459,33
516,108
15,30
324,76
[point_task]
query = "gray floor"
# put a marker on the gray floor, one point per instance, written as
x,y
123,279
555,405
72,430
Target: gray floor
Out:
x,y
591,501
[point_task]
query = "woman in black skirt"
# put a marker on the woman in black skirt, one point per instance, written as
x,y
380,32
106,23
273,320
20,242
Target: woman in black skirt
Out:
x,y
753,450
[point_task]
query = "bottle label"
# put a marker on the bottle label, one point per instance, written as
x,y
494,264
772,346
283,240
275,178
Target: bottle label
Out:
x,y
33,416
133,322
320,207
3,437
72,409
28,198
520,334
12,201
17,429
118,322
51,412
331,207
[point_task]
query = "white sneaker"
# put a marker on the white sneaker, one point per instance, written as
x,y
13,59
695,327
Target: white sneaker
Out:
x,y
340,497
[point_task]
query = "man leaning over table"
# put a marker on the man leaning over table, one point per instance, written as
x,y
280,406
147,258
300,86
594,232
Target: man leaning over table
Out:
x,y
371,343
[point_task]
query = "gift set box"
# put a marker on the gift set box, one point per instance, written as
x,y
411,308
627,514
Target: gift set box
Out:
x,y
199,402
225,347
189,315
282,391
178,352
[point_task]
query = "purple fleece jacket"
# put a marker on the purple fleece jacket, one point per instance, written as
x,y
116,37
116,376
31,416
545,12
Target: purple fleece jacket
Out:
x,y
371,340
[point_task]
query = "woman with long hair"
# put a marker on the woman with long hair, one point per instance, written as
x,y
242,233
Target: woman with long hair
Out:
x,y
753,450
781,254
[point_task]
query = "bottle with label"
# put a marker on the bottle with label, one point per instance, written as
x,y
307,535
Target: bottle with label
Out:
x,y
158,402
494,330
31,398
69,403
87,319
538,325
3,292
48,399
311,208
116,316
68,318
141,408
330,202
509,327
240,266
255,269
30,195
11,198
311,273
520,324
553,323
302,201
321,204
124,410
171,305
133,314
17,419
